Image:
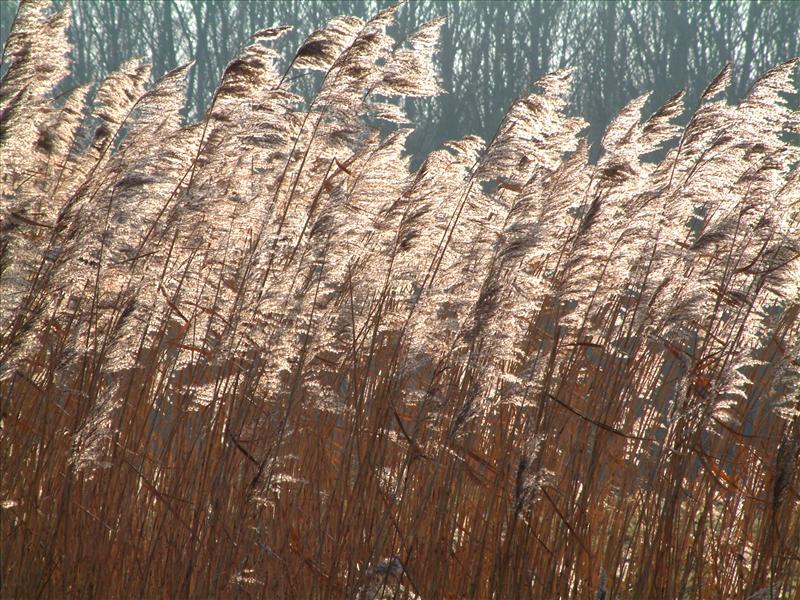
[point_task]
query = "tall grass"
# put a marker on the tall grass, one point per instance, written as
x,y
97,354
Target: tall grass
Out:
x,y
260,357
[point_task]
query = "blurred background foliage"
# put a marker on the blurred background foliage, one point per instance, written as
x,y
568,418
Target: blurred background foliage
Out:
x,y
490,52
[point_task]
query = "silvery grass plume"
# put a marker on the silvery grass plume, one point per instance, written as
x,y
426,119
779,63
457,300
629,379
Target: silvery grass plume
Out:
x,y
251,354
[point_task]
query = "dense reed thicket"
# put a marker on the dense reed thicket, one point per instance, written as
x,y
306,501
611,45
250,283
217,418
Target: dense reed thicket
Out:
x,y
258,357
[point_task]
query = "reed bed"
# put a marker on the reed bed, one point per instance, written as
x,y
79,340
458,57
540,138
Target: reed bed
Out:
x,y
259,356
